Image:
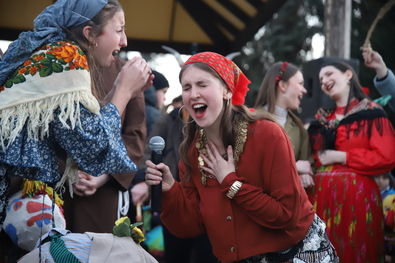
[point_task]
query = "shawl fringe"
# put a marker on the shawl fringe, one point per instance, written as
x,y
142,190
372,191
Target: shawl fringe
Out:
x,y
70,175
326,136
36,116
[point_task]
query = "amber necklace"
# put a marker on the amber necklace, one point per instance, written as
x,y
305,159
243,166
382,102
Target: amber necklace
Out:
x,y
241,137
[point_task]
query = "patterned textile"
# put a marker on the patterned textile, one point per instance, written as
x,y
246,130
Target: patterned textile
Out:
x,y
346,196
92,247
47,113
354,228
314,248
59,251
49,26
78,244
233,77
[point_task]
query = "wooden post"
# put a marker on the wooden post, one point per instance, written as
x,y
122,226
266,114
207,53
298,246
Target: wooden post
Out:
x,y
337,28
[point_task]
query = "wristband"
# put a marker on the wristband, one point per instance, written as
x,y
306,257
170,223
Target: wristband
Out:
x,y
234,189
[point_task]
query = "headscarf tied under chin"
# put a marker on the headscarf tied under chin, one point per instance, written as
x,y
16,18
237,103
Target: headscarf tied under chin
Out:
x,y
49,26
230,73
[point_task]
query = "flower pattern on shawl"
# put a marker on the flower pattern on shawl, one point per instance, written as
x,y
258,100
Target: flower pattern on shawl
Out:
x,y
322,114
55,58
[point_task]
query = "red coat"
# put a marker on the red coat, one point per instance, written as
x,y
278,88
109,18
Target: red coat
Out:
x,y
271,211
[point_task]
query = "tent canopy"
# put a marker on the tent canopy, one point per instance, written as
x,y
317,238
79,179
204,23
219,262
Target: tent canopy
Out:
x,y
187,26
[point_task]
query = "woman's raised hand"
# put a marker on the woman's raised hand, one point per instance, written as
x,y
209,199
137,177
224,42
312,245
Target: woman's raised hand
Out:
x,y
134,77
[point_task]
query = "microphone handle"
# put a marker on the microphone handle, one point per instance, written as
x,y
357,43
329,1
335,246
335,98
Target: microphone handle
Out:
x,y
156,190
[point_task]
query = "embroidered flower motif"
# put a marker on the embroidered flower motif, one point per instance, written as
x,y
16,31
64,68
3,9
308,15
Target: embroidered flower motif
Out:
x,y
50,59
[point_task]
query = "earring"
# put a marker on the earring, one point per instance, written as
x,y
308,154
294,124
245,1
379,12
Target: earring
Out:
x,y
180,113
348,82
227,102
284,95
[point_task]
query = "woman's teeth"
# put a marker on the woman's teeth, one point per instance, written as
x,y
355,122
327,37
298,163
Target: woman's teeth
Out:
x,y
197,106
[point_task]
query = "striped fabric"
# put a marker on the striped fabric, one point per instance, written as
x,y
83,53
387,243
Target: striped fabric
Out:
x,y
59,251
79,245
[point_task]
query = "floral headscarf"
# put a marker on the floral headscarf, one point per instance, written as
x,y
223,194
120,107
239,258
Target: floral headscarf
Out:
x,y
49,27
230,73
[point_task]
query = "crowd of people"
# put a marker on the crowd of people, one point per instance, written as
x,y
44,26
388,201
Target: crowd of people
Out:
x,y
238,184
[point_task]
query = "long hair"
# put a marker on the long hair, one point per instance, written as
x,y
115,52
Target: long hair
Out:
x,y
269,89
269,86
355,87
98,22
231,115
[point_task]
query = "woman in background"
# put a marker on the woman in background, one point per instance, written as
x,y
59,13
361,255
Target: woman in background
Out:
x,y
353,141
280,94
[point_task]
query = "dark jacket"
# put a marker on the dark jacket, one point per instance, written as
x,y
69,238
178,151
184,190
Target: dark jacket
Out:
x,y
151,108
169,127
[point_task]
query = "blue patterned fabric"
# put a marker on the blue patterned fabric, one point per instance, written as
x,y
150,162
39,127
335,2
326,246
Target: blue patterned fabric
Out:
x,y
96,147
49,26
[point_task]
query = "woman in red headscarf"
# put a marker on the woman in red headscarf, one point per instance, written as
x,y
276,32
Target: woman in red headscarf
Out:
x,y
238,177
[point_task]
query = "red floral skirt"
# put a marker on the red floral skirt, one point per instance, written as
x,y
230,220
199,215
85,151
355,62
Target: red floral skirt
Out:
x,y
351,206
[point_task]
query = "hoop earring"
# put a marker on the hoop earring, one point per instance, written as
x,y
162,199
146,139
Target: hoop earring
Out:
x,y
179,116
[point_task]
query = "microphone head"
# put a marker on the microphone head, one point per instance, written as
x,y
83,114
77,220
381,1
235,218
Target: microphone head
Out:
x,y
156,143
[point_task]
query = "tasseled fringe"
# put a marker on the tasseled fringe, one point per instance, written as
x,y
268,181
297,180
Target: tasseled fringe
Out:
x,y
70,175
38,115
32,188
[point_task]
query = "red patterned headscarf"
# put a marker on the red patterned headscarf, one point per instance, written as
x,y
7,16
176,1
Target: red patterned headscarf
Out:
x,y
230,73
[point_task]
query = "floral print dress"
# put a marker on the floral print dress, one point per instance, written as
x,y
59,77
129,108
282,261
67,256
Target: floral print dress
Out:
x,y
47,113
346,196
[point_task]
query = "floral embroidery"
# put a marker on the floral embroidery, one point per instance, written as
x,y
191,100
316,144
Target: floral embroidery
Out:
x,y
53,58
323,115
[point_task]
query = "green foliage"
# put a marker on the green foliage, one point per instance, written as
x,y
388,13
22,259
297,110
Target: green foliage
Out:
x,y
123,228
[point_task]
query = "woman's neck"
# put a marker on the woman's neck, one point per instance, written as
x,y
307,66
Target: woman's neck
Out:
x,y
214,136
342,101
280,114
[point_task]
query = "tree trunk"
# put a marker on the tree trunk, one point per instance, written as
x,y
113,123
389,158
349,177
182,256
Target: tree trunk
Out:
x,y
337,28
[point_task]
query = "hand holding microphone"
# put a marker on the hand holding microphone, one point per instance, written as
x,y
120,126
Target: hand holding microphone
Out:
x,y
156,144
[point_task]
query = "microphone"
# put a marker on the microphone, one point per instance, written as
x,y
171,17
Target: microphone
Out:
x,y
156,144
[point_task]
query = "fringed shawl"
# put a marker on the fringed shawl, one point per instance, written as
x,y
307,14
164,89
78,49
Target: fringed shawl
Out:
x,y
323,130
55,76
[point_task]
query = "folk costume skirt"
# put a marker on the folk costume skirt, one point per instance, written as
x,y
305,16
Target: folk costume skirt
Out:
x,y
314,248
351,206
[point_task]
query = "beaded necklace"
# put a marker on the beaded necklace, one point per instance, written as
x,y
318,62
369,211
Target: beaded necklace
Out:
x,y
241,137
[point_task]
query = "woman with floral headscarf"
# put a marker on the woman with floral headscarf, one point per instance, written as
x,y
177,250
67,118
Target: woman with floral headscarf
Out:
x,y
48,108
238,177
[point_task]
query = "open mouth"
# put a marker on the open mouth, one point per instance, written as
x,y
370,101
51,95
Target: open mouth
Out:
x,y
328,88
199,108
